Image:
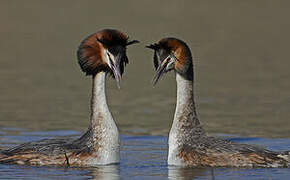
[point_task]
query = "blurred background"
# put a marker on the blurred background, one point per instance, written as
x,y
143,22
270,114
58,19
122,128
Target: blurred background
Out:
x,y
241,51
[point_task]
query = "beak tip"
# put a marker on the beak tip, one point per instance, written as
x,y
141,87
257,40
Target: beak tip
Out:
x,y
154,82
118,84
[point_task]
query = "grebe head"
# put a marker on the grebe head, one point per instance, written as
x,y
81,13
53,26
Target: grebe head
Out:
x,y
104,51
172,54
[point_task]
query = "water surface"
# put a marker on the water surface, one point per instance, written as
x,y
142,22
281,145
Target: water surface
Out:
x,y
142,157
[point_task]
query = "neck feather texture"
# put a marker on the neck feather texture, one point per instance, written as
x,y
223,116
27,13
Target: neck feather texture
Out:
x,y
99,107
185,118
186,127
102,130
102,122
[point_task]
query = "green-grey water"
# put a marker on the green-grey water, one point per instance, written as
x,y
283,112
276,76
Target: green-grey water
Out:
x,y
142,157
241,65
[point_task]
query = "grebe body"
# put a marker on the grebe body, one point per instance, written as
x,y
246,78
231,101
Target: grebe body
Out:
x,y
99,54
188,142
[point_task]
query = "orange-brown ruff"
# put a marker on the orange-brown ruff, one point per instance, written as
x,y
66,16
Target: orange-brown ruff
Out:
x,y
188,143
100,144
90,53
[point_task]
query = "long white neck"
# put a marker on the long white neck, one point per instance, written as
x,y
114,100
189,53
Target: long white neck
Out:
x,y
99,106
186,126
102,136
102,122
185,113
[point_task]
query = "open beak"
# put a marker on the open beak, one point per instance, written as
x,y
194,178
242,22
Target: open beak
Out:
x,y
159,72
163,67
115,67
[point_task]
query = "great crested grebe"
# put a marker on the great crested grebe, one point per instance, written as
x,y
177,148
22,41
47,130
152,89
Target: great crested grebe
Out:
x,y
99,54
188,143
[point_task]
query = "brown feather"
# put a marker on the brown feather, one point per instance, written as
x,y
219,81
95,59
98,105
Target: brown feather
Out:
x,y
90,52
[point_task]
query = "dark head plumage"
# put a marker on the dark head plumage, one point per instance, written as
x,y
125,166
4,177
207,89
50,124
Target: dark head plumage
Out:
x,y
96,51
172,54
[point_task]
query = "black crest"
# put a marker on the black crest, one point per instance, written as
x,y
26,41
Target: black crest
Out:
x,y
154,46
